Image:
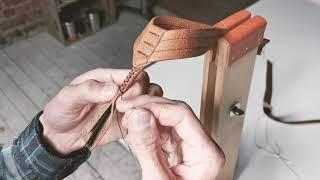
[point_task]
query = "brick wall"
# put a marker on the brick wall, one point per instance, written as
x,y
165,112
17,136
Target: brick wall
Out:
x,y
18,19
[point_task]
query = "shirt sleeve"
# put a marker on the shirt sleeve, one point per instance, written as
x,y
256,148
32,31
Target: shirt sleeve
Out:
x,y
29,157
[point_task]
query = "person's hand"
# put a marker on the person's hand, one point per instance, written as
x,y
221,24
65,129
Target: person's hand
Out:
x,y
169,140
63,116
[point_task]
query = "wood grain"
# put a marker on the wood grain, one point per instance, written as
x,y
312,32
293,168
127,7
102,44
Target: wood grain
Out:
x,y
232,86
13,118
21,101
23,59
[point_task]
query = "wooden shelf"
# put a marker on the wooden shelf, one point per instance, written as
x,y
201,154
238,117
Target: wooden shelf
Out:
x,y
76,11
66,3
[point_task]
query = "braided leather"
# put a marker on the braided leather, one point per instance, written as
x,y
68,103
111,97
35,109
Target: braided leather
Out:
x,y
133,74
164,38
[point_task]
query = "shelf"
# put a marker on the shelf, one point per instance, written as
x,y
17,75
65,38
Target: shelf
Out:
x,y
76,11
66,3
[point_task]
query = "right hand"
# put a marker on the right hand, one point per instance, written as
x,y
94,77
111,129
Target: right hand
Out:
x,y
169,140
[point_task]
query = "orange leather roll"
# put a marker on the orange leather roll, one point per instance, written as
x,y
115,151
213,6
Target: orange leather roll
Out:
x,y
230,23
245,37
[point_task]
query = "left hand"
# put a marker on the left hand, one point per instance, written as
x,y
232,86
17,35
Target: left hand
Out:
x,y
63,116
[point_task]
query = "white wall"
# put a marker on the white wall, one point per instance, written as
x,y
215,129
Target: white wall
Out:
x,y
294,31
180,80
289,151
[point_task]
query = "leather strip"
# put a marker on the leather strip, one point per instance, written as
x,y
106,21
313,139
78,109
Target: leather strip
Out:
x,y
168,38
97,112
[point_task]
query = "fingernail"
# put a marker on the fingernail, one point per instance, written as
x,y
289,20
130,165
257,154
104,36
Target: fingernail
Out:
x,y
139,119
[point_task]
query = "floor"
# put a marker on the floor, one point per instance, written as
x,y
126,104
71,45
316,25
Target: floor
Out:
x,y
32,71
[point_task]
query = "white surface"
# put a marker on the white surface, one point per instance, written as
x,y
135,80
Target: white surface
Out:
x,y
294,31
317,2
180,80
291,151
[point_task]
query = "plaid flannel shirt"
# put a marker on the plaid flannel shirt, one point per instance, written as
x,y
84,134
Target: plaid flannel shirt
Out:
x,y
29,157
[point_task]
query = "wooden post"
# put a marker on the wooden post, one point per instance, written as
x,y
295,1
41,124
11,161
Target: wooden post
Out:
x,y
234,62
111,9
208,87
232,88
210,68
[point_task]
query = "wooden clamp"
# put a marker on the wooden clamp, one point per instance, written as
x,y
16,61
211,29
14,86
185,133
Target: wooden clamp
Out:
x,y
227,82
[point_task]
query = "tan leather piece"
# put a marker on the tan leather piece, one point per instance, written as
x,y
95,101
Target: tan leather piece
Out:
x,y
245,37
168,38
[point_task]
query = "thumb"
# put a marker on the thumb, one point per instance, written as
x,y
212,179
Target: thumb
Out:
x,y
143,136
90,91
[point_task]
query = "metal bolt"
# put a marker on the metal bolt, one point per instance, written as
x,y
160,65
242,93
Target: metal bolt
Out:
x,y
235,110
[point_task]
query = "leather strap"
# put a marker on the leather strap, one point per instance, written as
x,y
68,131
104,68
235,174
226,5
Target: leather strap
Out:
x,y
164,38
168,38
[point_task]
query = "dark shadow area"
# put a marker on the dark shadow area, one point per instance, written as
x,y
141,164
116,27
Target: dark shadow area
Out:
x,y
206,11
268,92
